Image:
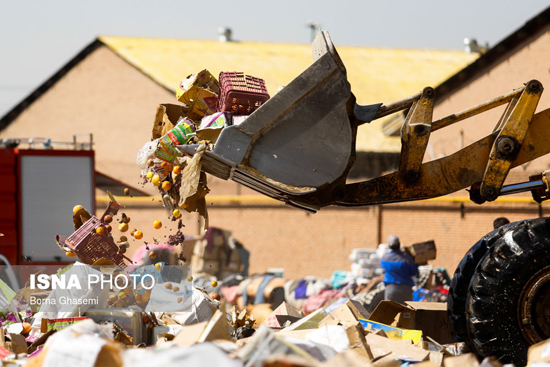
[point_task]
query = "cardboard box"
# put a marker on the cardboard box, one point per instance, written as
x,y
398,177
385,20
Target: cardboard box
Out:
x,y
429,317
200,93
464,360
358,342
190,334
392,332
281,314
355,335
166,117
217,328
381,346
350,311
16,343
539,352
423,251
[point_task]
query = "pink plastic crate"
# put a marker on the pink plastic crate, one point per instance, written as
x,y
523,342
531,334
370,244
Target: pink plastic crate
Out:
x,y
90,246
241,94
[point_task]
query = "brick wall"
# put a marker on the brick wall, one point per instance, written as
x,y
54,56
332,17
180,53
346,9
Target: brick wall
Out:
x,y
317,244
516,67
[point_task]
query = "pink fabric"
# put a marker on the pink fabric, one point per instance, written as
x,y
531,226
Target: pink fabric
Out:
x,y
231,294
317,301
142,251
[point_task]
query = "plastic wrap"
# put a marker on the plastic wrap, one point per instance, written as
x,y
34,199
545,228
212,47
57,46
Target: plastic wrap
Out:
x,y
146,153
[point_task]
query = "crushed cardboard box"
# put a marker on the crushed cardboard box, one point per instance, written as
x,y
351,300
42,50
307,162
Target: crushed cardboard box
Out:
x,y
392,332
429,317
281,315
422,252
539,352
464,360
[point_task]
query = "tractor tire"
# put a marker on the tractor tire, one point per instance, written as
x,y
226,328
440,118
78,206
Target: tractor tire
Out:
x,y
509,293
456,301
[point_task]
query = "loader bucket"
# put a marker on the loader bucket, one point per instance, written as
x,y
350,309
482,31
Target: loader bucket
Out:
x,y
300,140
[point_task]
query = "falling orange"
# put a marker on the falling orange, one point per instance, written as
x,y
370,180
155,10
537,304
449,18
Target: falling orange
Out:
x,y
123,227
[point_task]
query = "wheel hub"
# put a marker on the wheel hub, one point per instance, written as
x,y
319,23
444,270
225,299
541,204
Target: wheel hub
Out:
x,y
534,307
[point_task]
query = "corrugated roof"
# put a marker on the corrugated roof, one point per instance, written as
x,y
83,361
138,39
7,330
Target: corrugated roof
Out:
x,y
376,74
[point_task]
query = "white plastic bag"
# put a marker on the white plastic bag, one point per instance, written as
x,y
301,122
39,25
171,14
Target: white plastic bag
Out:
x,y
146,153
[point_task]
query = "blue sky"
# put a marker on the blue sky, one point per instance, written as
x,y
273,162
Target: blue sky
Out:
x,y
38,37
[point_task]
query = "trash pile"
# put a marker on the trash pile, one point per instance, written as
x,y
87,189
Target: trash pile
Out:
x,y
102,312
208,106
180,324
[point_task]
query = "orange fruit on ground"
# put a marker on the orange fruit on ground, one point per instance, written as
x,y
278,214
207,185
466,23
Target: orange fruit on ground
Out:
x,y
214,284
166,185
176,170
123,227
70,254
100,230
138,235
157,224
176,213
77,208
150,175
107,219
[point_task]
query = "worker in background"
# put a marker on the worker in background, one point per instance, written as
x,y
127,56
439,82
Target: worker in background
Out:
x,y
499,222
400,270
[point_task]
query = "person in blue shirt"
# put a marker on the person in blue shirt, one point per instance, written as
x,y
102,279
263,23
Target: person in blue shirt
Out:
x,y
400,270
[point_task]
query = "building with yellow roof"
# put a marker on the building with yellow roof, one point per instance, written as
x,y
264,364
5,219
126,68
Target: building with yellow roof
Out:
x,y
376,74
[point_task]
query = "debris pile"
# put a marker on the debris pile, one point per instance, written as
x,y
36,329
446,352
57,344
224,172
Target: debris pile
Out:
x,y
100,313
196,330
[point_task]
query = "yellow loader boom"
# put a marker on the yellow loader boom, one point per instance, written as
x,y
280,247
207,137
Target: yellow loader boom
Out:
x,y
300,145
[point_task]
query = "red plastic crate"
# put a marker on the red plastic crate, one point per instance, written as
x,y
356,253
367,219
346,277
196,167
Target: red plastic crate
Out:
x,y
241,94
90,246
